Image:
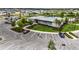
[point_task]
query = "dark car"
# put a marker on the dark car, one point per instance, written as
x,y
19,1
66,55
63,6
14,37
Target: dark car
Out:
x,y
26,31
62,35
7,22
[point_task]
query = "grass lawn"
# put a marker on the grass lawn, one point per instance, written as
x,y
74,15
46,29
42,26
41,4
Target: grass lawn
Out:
x,y
70,27
44,28
66,28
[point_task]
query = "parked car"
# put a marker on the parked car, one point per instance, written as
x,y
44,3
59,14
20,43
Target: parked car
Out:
x,y
26,31
61,35
6,22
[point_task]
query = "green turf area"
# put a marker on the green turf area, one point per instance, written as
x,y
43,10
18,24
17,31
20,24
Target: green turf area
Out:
x,y
70,27
44,28
66,28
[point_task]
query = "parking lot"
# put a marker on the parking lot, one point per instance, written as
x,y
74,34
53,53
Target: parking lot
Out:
x,y
33,40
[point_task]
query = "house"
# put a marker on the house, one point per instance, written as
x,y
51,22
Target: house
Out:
x,y
50,21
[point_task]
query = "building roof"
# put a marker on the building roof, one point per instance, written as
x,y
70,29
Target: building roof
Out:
x,y
44,18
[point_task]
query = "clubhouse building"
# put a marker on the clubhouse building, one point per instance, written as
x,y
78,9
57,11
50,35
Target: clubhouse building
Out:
x,y
50,21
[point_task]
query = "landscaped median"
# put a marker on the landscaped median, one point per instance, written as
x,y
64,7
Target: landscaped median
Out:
x,y
68,36
19,24
73,34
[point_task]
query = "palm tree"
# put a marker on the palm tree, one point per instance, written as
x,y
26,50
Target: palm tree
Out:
x,y
20,14
71,14
58,23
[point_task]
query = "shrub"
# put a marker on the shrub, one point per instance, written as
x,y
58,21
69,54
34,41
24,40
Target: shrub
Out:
x,y
30,22
51,45
23,20
17,29
13,23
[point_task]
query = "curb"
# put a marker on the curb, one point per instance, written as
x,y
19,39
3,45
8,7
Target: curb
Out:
x,y
43,32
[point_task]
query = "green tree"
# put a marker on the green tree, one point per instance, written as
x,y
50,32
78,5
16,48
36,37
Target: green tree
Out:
x,y
20,24
13,23
62,14
77,14
71,14
23,20
51,45
58,23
